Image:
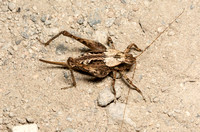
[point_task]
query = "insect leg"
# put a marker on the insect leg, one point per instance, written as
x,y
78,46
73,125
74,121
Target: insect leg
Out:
x,y
127,97
113,85
134,46
110,43
93,45
131,84
72,75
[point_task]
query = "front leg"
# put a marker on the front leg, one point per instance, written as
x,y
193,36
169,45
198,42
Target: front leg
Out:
x,y
93,45
134,46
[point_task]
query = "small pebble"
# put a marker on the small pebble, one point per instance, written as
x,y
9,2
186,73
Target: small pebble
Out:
x,y
156,100
94,20
11,114
25,128
157,125
65,74
191,7
69,130
116,111
47,22
187,113
80,21
33,18
15,48
17,42
11,6
171,33
24,35
43,18
90,91
34,8
110,22
123,1
59,113
69,119
29,119
160,29
21,121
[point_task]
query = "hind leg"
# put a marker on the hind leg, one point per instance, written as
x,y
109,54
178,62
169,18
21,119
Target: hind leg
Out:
x,y
93,45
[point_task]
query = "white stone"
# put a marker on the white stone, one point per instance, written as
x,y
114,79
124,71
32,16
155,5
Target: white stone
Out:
x,y
25,128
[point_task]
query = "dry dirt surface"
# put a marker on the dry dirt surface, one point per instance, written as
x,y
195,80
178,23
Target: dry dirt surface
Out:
x,y
167,73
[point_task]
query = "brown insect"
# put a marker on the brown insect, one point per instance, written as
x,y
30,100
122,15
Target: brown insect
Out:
x,y
103,60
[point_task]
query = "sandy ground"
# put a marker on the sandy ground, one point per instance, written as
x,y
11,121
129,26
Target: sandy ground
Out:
x,y
168,73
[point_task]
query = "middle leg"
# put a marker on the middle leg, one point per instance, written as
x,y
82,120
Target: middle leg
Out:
x,y
72,75
113,85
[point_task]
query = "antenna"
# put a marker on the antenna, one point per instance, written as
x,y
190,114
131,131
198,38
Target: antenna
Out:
x,y
160,33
